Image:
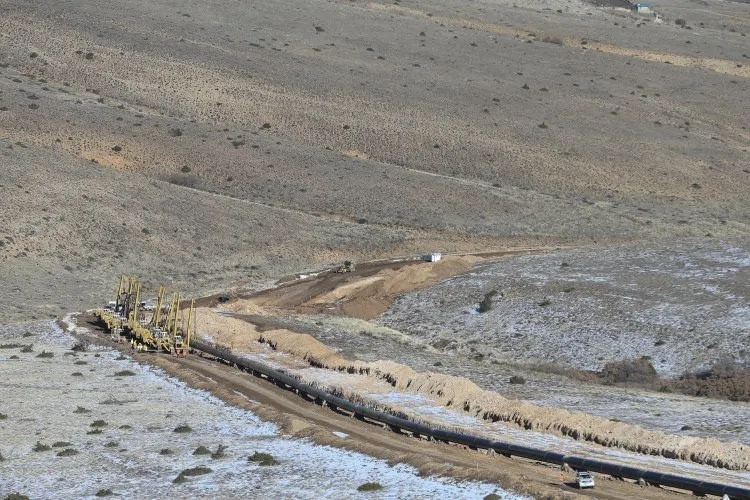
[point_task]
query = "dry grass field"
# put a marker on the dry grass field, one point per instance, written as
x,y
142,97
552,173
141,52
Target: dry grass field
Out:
x,y
290,134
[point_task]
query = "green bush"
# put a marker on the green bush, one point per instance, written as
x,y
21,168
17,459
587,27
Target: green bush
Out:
x,y
104,492
68,452
264,459
195,471
515,379
61,444
39,446
181,429
370,487
202,450
124,373
45,354
99,423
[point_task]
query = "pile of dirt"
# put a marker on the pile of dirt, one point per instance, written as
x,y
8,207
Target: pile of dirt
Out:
x,y
459,392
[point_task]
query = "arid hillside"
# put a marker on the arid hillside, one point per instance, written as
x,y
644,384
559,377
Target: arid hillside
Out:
x,y
217,145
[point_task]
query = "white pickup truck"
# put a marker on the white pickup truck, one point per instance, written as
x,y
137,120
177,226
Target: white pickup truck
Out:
x,y
584,479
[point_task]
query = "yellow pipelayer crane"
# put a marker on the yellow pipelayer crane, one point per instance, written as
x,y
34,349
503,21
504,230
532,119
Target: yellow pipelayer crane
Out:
x,y
166,330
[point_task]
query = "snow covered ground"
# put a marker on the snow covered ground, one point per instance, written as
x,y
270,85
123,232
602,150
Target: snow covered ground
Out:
x,y
42,397
422,407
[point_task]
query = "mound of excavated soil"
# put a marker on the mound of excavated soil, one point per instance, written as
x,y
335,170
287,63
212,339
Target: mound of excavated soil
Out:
x,y
463,393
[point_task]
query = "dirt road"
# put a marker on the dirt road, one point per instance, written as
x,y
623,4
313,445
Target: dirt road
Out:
x,y
302,419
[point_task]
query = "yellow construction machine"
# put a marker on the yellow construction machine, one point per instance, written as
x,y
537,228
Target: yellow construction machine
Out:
x,y
166,330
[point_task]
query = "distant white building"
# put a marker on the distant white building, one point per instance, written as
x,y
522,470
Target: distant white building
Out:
x,y
642,7
432,257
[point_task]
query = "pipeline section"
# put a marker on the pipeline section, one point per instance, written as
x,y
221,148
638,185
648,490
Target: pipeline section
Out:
x,y
399,424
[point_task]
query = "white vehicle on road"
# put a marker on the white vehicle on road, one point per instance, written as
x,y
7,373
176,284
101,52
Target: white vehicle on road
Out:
x,y
584,479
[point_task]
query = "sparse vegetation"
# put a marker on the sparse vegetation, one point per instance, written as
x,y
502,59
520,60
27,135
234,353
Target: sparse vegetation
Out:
x,y
202,450
183,429
124,373
99,423
61,444
486,303
112,444
104,492
370,486
261,458
81,346
81,409
45,354
39,446
517,379
16,496
220,452
629,371
195,471
166,451
68,452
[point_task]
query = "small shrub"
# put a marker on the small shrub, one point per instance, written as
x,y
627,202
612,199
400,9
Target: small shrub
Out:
x,y
45,354
175,132
16,496
219,453
61,444
3,416
542,125
166,451
99,423
80,346
185,169
686,428
680,22
545,303
81,362
124,373
10,346
369,487
633,370
81,409
195,471
112,444
76,374
126,427
14,357
264,459
202,450
183,429
116,149
486,303
492,496
68,452
28,348
266,125
33,55
190,181
89,55
94,431
515,379
553,39
39,446
104,492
